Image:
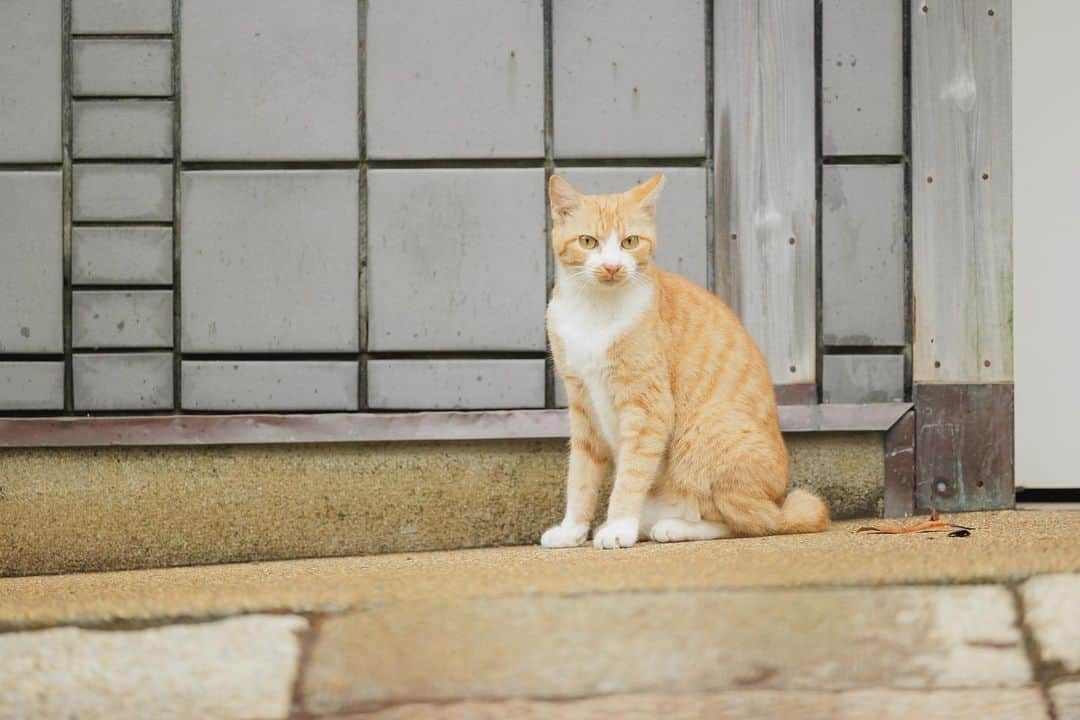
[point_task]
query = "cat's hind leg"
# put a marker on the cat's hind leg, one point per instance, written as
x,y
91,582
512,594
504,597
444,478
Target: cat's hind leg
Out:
x,y
672,518
676,530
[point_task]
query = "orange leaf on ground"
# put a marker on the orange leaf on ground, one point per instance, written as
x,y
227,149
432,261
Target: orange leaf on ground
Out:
x,y
931,525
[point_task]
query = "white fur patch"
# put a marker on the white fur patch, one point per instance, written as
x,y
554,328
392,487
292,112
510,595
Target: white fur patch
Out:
x,y
611,253
564,535
621,533
588,318
677,530
668,507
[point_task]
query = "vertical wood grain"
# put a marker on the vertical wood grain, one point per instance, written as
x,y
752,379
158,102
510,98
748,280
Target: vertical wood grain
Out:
x,y
962,190
765,176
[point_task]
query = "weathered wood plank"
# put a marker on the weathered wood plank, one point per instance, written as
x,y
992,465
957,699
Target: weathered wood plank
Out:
x,y
862,255
900,467
372,427
862,74
796,394
765,177
962,190
964,446
862,378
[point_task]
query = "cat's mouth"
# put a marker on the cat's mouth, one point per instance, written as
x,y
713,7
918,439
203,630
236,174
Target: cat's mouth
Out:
x,y
610,280
611,275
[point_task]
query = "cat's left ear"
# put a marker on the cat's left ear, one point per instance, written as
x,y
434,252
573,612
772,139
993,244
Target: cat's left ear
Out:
x,y
646,194
564,198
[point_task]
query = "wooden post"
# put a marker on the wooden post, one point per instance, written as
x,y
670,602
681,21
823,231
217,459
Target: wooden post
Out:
x,y
962,253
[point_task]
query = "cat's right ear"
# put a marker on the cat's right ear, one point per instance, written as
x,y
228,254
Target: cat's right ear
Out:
x,y
564,198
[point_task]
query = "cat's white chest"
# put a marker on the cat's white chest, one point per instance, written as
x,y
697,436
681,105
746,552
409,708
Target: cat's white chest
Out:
x,y
588,324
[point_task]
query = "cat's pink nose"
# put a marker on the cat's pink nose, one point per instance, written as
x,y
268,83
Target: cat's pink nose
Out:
x,y
613,270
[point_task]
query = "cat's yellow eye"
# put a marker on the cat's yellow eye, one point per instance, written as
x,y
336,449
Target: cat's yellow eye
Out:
x,y
588,242
630,242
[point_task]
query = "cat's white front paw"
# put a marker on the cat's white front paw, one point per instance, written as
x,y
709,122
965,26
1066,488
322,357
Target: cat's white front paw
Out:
x,y
564,536
621,533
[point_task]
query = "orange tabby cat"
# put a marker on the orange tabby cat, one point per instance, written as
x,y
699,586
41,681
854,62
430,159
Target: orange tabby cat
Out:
x,y
662,379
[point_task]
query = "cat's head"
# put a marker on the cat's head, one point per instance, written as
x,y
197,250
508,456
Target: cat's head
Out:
x,y
604,240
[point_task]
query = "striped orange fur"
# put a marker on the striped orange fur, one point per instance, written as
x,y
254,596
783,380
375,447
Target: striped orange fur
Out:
x,y
664,383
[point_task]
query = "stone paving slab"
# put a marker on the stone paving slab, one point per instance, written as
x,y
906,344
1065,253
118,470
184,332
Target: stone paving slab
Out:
x,y
236,668
1052,611
982,704
1005,546
583,645
1066,699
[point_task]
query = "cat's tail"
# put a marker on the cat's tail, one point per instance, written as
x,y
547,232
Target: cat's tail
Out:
x,y
803,512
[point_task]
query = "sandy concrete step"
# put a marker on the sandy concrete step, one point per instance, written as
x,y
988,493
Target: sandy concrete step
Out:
x,y
839,624
1004,547
85,509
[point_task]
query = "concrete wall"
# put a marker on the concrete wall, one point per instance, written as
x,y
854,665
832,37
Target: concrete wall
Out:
x,y
1046,60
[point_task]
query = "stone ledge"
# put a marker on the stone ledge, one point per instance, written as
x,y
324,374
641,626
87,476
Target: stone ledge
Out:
x,y
86,509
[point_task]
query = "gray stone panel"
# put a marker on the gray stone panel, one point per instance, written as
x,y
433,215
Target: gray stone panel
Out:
x,y
862,75
862,229
455,79
629,78
682,245
123,129
264,385
270,261
122,318
560,392
31,385
119,255
123,192
121,16
31,263
456,260
455,384
862,378
122,67
128,381
30,81
270,80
